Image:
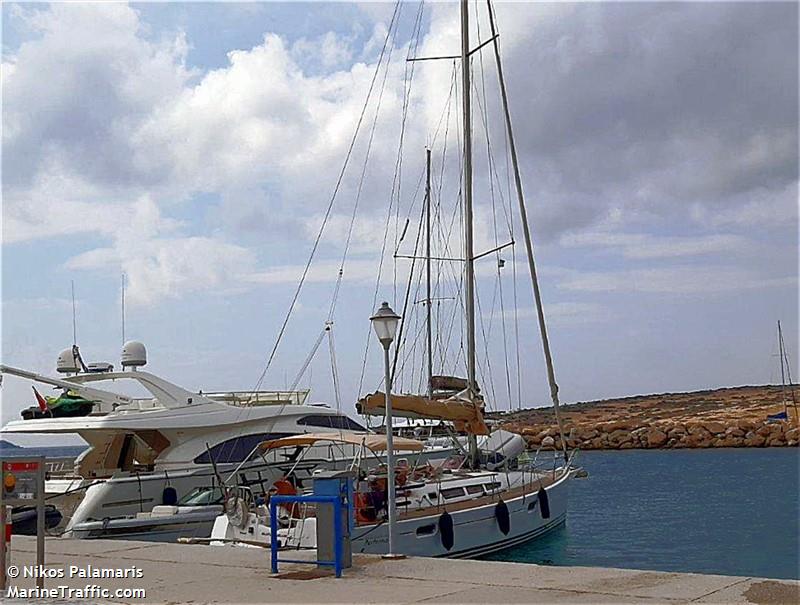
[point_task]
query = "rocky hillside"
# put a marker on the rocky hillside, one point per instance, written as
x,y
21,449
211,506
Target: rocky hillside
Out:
x,y
730,417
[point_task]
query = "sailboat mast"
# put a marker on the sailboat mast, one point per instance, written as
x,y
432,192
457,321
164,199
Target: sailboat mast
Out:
x,y
469,261
783,375
428,268
551,375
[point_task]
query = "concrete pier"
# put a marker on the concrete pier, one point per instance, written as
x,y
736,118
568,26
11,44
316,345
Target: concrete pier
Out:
x,y
178,573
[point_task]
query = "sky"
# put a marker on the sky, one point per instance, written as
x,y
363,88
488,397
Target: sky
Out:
x,y
195,147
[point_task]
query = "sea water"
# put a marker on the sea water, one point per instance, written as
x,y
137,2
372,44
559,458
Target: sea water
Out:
x,y
720,511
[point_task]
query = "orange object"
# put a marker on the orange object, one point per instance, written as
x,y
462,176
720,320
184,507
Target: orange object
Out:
x,y
365,512
284,487
9,482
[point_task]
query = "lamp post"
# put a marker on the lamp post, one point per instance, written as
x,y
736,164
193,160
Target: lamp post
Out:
x,y
385,323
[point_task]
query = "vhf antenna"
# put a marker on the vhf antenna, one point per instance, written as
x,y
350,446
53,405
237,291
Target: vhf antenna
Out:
x,y
123,309
74,322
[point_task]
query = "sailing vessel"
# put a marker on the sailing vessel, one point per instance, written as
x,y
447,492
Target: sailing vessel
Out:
x,y
472,504
786,373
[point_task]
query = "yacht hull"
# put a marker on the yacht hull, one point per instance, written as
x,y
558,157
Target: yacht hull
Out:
x,y
475,531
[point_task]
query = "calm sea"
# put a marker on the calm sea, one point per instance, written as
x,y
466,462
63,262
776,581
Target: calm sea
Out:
x,y
721,511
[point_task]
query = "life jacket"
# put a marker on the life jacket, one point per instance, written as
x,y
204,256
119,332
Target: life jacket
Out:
x,y
284,487
365,511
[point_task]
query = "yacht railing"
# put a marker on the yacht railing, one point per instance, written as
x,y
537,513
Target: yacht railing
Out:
x,y
236,398
253,398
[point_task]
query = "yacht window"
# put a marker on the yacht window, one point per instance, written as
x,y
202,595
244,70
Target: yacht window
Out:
x,y
452,492
474,489
331,422
490,487
202,496
236,449
426,530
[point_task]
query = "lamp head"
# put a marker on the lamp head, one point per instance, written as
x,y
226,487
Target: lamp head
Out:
x,y
384,322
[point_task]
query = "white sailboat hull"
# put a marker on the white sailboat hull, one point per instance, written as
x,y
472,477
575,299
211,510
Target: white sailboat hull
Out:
x,y
476,531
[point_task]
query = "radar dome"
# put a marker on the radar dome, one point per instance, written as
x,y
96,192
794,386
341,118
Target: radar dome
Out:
x,y
133,354
66,362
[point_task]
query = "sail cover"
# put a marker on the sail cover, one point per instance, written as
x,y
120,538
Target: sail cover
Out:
x,y
466,415
372,441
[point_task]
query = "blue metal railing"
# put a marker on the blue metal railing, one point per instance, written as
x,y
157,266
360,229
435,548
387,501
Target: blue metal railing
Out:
x,y
338,538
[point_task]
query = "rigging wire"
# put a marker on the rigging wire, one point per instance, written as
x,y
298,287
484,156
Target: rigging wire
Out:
x,y
330,203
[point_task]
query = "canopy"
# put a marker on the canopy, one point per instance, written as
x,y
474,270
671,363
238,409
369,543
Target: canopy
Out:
x,y
466,415
376,443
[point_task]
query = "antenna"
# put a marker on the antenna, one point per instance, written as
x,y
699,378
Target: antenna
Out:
x,y
123,309
74,323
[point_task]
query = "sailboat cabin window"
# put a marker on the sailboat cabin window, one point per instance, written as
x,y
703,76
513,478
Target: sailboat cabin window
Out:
x,y
331,422
236,449
452,492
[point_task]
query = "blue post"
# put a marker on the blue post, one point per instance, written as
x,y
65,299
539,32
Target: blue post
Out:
x,y
337,536
273,533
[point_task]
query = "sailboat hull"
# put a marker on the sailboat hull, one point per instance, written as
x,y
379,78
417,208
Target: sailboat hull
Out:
x,y
475,531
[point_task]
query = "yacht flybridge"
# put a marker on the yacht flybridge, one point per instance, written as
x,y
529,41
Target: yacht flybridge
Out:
x,y
155,450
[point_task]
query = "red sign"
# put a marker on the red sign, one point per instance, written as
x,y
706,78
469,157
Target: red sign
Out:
x,y
18,467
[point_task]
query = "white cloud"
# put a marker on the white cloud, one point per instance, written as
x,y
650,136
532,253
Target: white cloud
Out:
x,y
604,132
645,246
564,313
160,263
672,280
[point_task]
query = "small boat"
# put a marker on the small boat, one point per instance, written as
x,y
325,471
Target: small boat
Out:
x,y
23,519
192,517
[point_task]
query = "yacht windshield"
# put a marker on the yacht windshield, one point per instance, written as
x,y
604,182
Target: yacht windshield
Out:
x,y
202,496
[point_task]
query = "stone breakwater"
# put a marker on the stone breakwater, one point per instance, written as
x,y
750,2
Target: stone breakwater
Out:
x,y
730,417
622,435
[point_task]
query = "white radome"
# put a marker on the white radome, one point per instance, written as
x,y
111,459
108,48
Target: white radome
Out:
x,y
66,362
133,354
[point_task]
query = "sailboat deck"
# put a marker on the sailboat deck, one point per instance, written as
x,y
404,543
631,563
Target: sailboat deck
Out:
x,y
516,492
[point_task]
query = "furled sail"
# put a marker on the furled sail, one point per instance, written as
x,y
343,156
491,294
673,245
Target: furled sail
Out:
x,y
466,415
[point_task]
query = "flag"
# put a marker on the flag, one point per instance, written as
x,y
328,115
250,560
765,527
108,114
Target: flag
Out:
x,y
40,400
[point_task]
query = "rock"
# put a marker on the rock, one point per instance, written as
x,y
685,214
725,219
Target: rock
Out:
x,y
619,436
676,432
764,430
734,431
746,425
714,427
626,446
656,438
752,439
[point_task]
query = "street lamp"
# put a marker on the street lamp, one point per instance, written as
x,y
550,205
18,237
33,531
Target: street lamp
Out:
x,y
385,324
